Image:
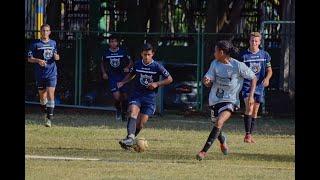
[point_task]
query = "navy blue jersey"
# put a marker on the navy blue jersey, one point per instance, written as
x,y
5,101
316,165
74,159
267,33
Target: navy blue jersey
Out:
x,y
44,50
146,74
258,63
116,61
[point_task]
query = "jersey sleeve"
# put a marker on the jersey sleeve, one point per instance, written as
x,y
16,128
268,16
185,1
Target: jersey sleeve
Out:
x,y
55,50
245,71
31,50
163,71
268,58
132,70
210,74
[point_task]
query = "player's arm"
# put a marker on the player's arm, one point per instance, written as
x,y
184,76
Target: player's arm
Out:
x,y
268,76
247,73
252,90
127,68
56,56
126,79
168,79
268,70
165,82
208,77
103,69
32,59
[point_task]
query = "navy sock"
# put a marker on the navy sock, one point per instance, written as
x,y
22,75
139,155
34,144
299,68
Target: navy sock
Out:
x,y
212,136
253,121
131,126
137,131
221,137
247,123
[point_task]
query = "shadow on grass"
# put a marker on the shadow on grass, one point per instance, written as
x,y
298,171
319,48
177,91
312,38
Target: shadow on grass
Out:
x,y
85,118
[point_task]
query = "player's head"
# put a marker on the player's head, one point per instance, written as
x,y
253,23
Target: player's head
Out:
x,y
147,52
255,40
113,41
45,31
224,49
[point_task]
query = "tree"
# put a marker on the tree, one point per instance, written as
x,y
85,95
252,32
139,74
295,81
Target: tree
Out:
x,y
287,65
221,19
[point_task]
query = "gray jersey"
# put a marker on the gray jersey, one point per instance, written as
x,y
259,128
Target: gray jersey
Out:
x,y
227,81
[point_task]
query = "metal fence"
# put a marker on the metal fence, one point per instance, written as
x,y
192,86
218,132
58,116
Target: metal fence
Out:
x,y
187,56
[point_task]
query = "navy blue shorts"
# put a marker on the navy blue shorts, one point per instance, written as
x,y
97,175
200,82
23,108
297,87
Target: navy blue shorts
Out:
x,y
113,85
147,105
43,83
223,106
258,97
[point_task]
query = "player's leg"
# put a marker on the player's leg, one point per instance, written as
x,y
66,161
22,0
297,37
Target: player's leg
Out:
x,y
51,86
254,116
117,103
142,119
124,106
223,117
43,102
247,119
214,114
148,107
116,96
134,110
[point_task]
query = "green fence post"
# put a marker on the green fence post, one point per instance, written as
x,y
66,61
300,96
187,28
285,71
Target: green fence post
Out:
x,y
201,70
76,72
198,69
80,69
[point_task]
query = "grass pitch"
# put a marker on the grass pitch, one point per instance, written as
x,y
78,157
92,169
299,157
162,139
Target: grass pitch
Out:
x,y
174,141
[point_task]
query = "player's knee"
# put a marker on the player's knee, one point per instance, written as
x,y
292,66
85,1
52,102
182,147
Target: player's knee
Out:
x,y
133,114
219,123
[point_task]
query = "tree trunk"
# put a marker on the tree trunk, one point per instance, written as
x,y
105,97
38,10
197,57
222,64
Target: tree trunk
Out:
x,y
287,64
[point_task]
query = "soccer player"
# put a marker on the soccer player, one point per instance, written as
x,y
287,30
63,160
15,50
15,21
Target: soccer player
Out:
x,y
115,65
142,99
225,76
43,52
259,62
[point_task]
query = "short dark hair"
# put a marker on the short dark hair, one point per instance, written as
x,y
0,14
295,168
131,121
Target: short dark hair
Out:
x,y
227,47
147,47
44,25
113,36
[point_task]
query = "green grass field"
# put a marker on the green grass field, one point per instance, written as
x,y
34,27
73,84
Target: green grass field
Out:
x,y
174,140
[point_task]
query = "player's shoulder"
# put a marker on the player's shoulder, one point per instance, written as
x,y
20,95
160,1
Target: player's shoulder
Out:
x,y
235,61
244,52
35,41
263,52
51,41
137,62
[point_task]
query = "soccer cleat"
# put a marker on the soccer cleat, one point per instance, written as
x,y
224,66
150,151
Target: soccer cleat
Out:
x,y
126,143
47,123
252,140
201,155
247,138
118,115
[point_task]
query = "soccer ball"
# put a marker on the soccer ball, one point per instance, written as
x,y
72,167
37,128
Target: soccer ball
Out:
x,y
140,145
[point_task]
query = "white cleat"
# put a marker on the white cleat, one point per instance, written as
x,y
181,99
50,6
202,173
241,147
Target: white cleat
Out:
x,y
47,123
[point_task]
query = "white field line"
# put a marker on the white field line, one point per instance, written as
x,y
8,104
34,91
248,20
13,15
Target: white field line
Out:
x,y
131,161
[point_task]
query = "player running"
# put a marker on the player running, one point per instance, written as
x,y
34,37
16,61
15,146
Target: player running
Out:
x,y
43,52
142,100
115,66
259,62
225,77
